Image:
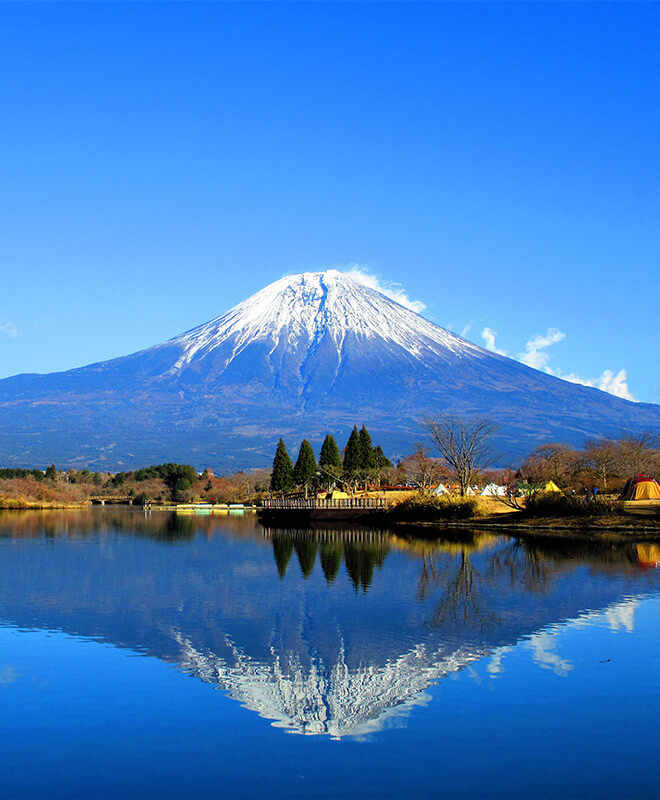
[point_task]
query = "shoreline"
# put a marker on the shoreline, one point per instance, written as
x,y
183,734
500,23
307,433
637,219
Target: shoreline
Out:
x,y
551,528
618,528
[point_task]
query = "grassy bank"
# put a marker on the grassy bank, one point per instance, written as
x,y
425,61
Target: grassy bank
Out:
x,y
420,508
22,504
558,515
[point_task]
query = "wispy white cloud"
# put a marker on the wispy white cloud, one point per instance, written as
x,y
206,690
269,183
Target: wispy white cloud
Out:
x,y
392,290
489,335
616,384
9,329
466,329
536,355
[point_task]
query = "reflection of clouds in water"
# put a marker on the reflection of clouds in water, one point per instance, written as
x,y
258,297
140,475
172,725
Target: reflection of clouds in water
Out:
x,y
494,665
8,675
622,616
543,645
617,617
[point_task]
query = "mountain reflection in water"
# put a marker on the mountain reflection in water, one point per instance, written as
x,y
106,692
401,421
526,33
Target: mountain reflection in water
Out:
x,y
320,631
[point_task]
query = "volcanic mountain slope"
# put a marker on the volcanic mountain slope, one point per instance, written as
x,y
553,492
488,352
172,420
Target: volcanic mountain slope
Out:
x,y
309,354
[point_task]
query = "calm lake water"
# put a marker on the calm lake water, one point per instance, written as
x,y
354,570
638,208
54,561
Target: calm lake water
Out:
x,y
194,657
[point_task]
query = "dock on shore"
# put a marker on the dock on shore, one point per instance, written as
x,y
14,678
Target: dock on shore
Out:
x,y
300,510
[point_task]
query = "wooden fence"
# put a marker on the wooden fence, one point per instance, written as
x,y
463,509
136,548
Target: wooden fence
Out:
x,y
314,503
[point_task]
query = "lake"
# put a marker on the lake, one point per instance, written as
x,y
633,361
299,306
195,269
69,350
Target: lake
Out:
x,y
150,655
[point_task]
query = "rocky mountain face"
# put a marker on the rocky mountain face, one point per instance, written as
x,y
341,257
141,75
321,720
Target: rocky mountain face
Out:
x,y
309,354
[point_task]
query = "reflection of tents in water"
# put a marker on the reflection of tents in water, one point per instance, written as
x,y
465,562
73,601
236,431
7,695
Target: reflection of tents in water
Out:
x,y
641,487
648,556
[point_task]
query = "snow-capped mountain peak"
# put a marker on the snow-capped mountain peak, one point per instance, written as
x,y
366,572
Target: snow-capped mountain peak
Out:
x,y
299,310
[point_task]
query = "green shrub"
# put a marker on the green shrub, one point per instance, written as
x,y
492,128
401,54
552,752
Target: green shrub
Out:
x,y
428,509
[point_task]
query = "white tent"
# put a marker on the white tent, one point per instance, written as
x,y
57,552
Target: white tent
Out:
x,y
470,490
441,489
493,490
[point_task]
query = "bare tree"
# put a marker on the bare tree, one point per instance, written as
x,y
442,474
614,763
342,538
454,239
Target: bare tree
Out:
x,y
422,470
551,462
463,444
637,454
601,458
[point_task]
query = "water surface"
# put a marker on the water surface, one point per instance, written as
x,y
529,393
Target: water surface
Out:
x,y
164,656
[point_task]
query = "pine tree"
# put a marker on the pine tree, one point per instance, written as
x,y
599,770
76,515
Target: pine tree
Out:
x,y
367,459
329,456
329,461
51,472
281,479
381,460
305,470
352,454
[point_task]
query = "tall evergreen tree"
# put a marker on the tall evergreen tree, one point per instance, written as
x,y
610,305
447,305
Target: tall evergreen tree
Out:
x,y
329,461
281,479
352,454
381,460
367,459
329,456
305,470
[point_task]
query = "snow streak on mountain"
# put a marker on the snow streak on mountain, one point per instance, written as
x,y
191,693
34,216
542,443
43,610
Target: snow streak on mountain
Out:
x,y
308,354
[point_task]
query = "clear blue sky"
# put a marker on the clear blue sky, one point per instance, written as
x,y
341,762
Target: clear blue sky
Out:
x,y
159,163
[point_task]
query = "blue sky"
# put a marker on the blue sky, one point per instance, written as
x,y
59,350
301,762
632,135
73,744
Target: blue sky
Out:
x,y
160,163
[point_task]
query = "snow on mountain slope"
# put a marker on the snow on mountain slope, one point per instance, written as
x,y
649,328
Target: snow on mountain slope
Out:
x,y
302,309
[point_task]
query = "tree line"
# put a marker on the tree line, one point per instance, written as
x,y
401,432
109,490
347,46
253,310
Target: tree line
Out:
x,y
362,462
605,463
465,456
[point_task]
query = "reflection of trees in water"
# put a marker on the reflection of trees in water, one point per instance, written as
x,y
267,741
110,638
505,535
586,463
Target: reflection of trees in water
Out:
x,y
306,548
447,565
330,560
461,600
177,528
604,554
535,563
529,564
361,559
362,550
164,526
282,550
521,565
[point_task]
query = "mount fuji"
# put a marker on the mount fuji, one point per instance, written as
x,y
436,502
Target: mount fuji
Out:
x,y
307,355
